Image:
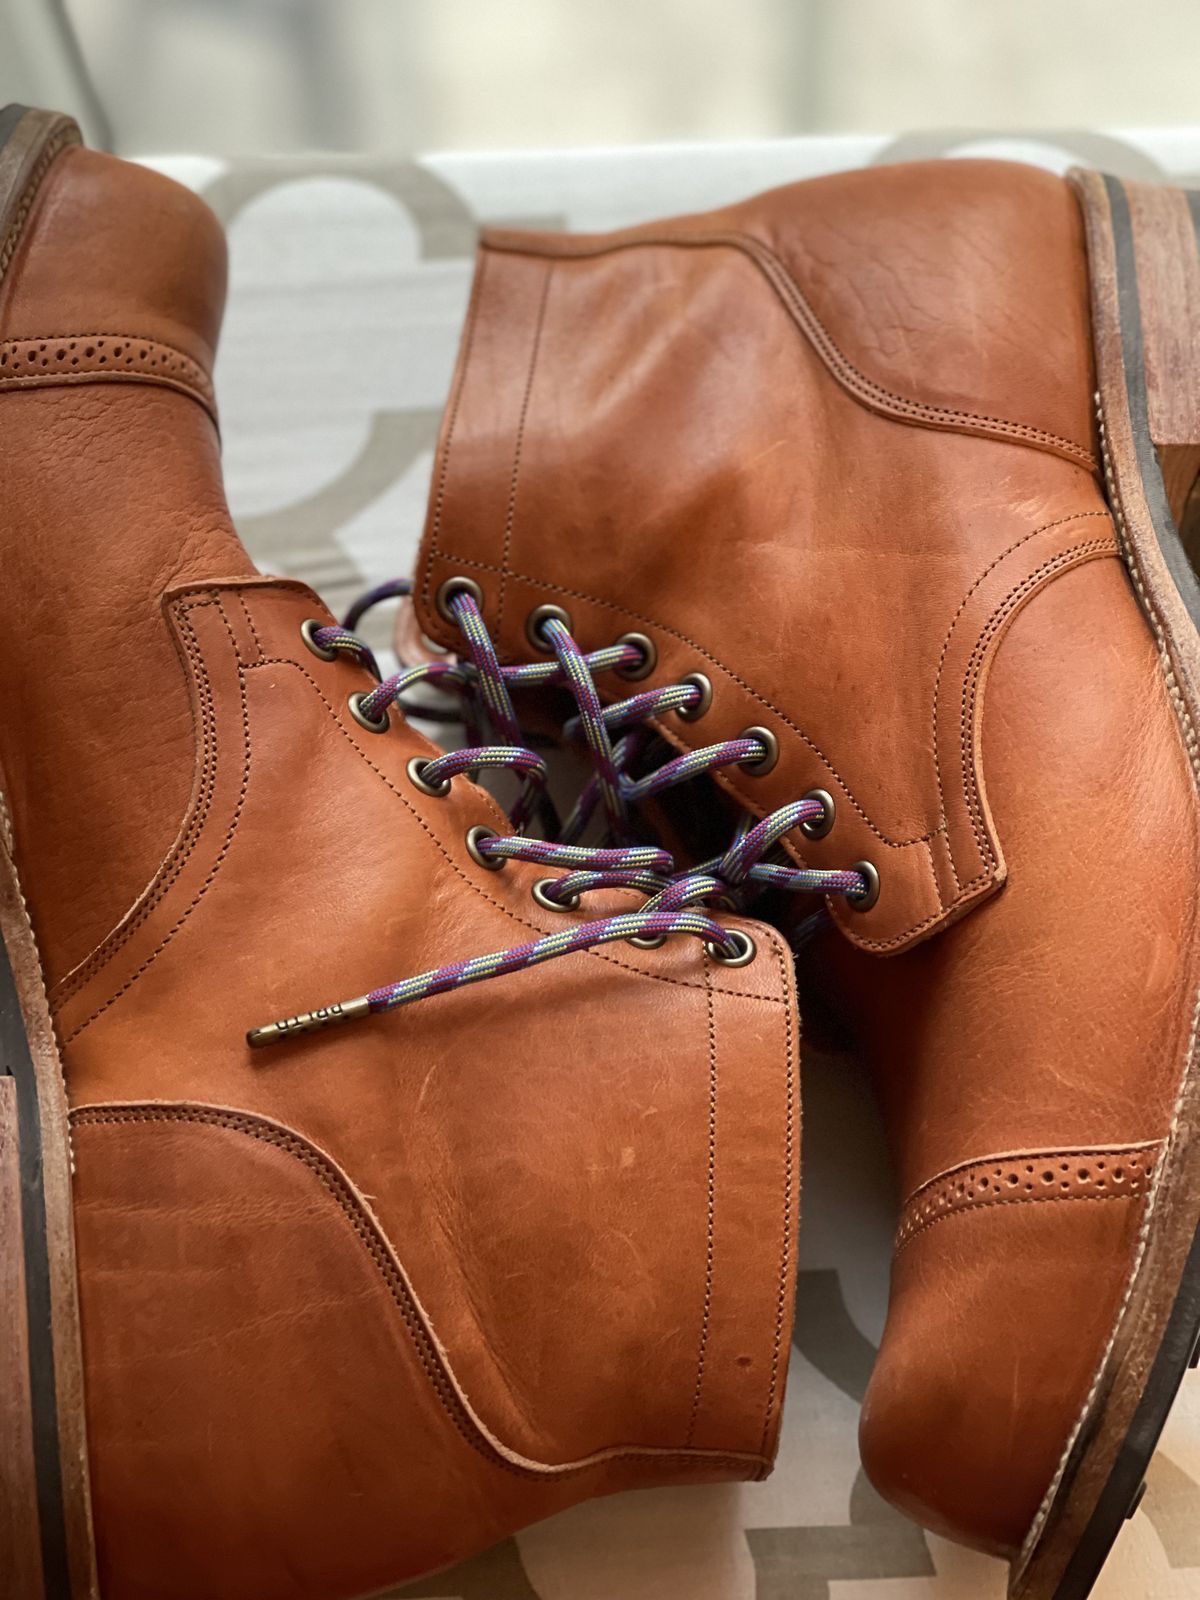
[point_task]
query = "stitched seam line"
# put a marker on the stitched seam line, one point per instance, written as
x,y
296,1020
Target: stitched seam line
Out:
x,y
970,692
193,826
511,514
460,378
1034,533
1066,559
866,389
214,869
370,1235
52,380
785,1262
710,1208
1007,1200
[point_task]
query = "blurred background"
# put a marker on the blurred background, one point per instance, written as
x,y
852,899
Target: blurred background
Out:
x,y
273,76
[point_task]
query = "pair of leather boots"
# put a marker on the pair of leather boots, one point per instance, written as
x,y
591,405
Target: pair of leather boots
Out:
x,y
834,538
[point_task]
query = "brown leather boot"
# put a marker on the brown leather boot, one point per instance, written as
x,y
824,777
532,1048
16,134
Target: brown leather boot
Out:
x,y
353,1307
833,455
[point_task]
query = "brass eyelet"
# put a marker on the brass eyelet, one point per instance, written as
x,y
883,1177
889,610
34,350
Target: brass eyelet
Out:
x,y
547,904
759,766
447,591
647,941
647,664
535,621
308,629
747,949
416,776
475,837
704,683
371,724
864,901
818,827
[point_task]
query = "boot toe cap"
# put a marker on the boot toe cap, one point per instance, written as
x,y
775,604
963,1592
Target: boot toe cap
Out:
x,y
1000,1315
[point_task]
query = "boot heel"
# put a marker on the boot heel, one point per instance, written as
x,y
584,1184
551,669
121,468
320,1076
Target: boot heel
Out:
x,y
46,1541
1164,225
29,142
1144,264
20,1556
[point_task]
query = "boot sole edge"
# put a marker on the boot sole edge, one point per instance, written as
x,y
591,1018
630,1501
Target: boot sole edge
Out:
x,y
46,1538
1139,239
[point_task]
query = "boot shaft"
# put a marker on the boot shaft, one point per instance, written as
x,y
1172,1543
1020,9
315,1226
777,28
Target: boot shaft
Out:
x,y
110,305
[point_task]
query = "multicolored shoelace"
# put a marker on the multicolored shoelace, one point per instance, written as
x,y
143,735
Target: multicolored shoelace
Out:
x,y
677,901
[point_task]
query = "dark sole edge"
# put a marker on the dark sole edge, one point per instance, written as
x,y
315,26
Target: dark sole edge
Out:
x,y
9,117
1130,310
1121,1494
16,1062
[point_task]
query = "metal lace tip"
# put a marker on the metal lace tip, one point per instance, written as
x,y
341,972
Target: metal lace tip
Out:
x,y
308,1022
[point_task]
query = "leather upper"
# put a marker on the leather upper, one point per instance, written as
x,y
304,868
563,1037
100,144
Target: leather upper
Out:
x,y
834,449
709,422
423,1279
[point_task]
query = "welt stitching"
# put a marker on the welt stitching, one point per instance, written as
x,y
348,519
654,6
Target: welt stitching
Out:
x,y
779,275
213,870
710,1209
194,825
371,1236
511,514
788,1172
472,883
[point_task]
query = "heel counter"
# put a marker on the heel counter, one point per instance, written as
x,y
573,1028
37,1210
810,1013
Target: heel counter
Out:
x,y
119,275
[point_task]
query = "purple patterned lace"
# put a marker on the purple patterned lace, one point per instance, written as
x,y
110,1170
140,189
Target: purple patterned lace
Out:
x,y
675,901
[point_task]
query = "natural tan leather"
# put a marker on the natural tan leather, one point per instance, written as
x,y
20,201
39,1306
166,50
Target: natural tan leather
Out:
x,y
354,1307
833,447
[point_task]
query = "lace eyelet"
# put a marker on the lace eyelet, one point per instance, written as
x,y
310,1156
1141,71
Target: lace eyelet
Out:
x,y
704,683
447,591
416,776
747,949
308,629
759,766
648,941
535,621
547,904
822,825
475,837
866,900
371,724
647,664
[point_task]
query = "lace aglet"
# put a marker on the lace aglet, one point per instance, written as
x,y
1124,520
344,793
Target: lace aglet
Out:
x,y
308,1022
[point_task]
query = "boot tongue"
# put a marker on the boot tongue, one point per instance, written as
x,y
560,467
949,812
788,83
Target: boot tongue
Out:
x,y
658,432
